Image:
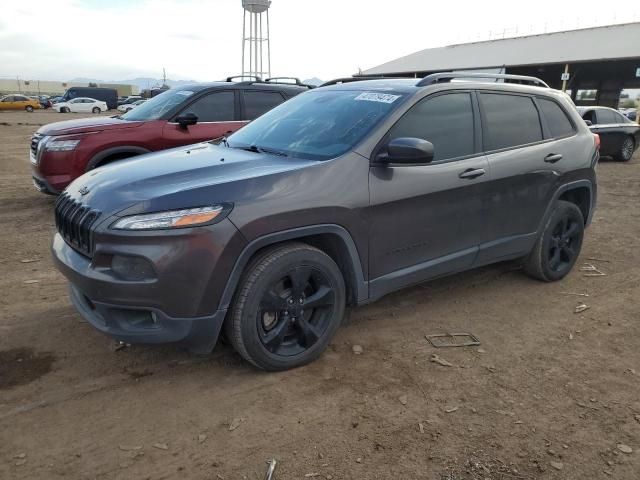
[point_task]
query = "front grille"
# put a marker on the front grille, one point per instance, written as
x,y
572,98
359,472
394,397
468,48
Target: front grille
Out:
x,y
35,140
74,221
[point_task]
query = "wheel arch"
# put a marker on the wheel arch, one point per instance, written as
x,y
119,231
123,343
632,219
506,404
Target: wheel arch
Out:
x,y
114,153
333,240
581,192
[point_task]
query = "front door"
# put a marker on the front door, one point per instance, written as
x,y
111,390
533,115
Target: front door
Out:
x,y
427,221
216,114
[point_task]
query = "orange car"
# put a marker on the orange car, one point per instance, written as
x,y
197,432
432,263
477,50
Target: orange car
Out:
x,y
18,102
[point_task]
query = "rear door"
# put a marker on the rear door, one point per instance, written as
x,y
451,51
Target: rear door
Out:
x,y
217,114
428,220
525,161
256,102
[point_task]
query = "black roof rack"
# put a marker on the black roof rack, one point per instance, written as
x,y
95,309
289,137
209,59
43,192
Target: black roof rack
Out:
x,y
336,81
255,78
447,77
296,81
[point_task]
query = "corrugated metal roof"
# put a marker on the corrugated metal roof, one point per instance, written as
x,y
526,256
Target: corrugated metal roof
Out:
x,y
599,43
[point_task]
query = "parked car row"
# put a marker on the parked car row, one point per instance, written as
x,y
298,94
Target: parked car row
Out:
x,y
619,136
329,198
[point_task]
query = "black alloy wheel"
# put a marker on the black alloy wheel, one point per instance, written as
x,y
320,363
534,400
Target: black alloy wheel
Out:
x,y
295,311
287,307
562,247
558,245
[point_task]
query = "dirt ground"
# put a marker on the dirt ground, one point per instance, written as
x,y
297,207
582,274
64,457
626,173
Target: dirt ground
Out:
x,y
548,394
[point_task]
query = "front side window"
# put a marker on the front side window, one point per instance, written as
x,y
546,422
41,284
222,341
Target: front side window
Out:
x,y
557,120
214,107
446,121
606,117
256,103
319,124
510,121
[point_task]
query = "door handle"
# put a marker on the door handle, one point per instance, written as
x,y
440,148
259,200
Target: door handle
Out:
x,y
472,173
553,158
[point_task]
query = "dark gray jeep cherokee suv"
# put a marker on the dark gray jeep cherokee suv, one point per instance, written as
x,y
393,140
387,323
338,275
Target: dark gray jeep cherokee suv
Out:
x,y
335,198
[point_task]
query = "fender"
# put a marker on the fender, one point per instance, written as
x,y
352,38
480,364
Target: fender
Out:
x,y
361,286
565,188
97,158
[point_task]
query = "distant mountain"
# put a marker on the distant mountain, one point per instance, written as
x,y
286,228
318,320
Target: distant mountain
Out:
x,y
313,81
141,82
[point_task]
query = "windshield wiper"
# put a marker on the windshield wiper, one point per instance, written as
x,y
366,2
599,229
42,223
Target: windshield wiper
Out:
x,y
257,149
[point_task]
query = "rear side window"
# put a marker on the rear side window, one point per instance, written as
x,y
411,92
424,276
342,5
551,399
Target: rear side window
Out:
x,y
445,120
511,121
557,120
214,107
256,103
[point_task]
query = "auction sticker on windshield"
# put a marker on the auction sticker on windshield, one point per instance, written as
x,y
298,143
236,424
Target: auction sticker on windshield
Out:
x,y
377,97
186,93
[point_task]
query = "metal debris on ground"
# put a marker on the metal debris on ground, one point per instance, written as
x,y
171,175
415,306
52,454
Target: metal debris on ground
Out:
x,y
117,346
357,349
270,469
160,446
575,293
450,409
29,282
593,271
441,340
440,361
581,307
29,260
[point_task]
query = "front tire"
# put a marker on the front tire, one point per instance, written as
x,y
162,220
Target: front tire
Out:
x,y
29,108
289,304
64,110
625,152
557,249
96,110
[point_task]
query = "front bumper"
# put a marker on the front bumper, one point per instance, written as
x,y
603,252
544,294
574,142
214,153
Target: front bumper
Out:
x,y
149,325
178,302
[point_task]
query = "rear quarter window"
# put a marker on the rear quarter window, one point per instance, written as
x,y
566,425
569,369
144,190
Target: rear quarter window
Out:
x,y
556,118
509,121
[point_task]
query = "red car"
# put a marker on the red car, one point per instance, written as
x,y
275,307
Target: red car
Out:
x,y
62,151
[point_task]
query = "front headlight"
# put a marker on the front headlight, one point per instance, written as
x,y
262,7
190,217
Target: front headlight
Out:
x,y
61,145
188,217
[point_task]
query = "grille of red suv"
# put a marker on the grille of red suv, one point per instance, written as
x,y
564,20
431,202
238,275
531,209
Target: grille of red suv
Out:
x,y
74,221
35,140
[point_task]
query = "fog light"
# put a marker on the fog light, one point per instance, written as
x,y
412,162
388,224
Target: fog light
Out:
x,y
132,268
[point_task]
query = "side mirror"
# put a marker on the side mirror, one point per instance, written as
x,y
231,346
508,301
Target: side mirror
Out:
x,y
408,151
588,122
187,119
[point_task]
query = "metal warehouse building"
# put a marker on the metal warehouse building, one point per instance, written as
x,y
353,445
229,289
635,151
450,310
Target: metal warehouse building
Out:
x,y
600,62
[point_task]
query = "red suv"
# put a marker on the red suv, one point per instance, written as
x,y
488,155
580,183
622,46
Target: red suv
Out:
x,y
62,151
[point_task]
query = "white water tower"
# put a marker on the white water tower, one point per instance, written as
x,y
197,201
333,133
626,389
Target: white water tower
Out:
x,y
256,53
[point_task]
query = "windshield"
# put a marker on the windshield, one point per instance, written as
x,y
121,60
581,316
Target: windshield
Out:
x,y
156,107
317,125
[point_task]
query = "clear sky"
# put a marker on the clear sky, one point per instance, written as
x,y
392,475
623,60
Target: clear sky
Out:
x,y
201,40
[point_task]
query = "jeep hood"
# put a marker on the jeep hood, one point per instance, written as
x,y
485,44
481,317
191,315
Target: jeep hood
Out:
x,y
82,125
196,175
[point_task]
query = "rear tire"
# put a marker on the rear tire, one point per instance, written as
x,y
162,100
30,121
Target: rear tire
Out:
x,y
29,108
557,249
96,110
288,306
625,152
